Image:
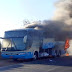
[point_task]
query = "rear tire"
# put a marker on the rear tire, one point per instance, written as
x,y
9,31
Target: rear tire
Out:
x,y
59,54
55,53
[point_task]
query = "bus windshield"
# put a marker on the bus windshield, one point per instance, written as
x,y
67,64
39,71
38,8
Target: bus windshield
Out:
x,y
14,44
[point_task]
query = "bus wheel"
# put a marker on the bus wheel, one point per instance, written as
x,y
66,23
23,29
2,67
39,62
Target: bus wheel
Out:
x,y
59,54
35,55
55,53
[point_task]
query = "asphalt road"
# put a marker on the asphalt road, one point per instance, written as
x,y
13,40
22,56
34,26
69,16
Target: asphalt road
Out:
x,y
63,64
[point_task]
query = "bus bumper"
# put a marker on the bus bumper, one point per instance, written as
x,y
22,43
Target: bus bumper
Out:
x,y
23,56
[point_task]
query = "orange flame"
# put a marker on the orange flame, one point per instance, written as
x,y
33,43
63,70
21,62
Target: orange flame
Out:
x,y
67,44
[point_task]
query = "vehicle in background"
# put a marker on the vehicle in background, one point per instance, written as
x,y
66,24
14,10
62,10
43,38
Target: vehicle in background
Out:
x,y
29,43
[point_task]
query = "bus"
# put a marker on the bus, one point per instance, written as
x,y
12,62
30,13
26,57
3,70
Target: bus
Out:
x,y
26,44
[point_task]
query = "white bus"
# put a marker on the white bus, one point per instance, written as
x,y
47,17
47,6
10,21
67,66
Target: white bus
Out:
x,y
26,44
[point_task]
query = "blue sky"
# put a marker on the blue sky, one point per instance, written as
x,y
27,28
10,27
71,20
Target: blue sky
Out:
x,y
13,12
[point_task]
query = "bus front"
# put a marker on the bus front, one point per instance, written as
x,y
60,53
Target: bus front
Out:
x,y
13,45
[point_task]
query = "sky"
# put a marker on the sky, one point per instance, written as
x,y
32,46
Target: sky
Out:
x,y
13,12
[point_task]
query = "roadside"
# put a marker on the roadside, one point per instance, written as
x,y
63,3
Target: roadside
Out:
x,y
58,64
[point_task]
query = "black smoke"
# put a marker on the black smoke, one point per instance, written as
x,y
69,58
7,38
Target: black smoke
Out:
x,y
60,27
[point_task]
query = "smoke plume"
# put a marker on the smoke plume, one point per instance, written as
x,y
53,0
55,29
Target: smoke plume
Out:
x,y
64,11
60,27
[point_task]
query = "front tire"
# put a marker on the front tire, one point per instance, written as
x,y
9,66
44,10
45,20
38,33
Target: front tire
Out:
x,y
35,55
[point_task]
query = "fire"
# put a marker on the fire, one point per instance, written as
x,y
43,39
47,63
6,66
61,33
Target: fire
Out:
x,y
67,44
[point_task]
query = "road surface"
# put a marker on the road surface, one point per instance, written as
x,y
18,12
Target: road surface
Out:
x,y
63,64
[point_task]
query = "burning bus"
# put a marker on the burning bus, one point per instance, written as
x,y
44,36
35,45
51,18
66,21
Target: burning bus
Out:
x,y
29,43
33,43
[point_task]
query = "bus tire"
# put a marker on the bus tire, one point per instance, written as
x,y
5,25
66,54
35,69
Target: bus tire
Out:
x,y
59,54
35,55
55,53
